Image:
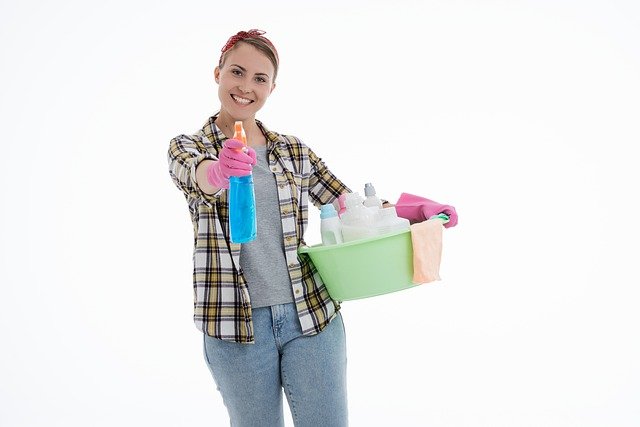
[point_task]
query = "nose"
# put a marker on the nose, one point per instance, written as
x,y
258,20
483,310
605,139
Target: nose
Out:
x,y
245,86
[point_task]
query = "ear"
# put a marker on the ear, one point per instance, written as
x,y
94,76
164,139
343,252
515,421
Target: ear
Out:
x,y
216,74
273,86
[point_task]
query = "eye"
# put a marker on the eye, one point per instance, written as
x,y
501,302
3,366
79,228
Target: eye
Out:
x,y
236,72
261,79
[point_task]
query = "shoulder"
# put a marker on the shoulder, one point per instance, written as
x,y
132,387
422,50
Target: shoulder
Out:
x,y
290,142
184,138
205,136
279,139
293,141
297,150
198,139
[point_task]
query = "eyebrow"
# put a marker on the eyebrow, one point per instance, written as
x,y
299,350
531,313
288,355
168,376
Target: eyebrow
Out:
x,y
245,70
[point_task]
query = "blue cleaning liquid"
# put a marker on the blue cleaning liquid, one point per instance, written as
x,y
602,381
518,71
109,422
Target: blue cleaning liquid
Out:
x,y
242,209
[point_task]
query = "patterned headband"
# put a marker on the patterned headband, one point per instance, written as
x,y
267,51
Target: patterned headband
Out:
x,y
251,34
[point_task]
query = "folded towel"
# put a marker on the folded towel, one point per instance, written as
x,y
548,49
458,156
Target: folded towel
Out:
x,y
417,209
426,238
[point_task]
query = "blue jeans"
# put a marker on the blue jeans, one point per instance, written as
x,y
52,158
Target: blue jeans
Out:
x,y
311,369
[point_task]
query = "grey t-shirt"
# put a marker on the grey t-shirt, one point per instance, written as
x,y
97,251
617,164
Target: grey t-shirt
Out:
x,y
262,260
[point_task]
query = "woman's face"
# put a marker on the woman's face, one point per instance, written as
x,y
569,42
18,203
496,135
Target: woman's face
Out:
x,y
245,81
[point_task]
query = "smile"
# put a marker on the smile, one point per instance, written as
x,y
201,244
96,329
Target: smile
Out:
x,y
240,100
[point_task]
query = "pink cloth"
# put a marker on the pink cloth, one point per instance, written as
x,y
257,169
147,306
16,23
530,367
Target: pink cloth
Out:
x,y
426,238
418,209
341,204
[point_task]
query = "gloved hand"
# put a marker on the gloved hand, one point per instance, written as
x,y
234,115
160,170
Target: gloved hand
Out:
x,y
235,159
418,209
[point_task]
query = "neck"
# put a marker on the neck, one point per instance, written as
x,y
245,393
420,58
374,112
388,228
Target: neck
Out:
x,y
226,124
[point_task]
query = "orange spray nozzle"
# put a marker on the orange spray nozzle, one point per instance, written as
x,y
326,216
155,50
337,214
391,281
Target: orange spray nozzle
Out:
x,y
239,133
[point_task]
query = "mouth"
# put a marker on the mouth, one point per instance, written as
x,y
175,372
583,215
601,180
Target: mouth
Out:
x,y
240,100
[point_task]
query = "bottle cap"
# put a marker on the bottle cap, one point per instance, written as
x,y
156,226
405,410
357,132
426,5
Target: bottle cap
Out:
x,y
369,190
328,211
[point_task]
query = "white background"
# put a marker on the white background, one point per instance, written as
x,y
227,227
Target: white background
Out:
x,y
521,114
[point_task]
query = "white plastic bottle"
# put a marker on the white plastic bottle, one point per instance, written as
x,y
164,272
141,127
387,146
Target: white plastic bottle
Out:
x,y
371,200
388,221
357,220
330,225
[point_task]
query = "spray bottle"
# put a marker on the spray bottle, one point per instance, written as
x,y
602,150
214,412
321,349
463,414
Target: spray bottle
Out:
x,y
242,201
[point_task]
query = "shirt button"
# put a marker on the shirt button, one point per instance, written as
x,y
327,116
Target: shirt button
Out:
x,y
292,265
297,291
274,169
281,185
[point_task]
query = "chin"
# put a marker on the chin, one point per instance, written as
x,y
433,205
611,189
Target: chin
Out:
x,y
238,113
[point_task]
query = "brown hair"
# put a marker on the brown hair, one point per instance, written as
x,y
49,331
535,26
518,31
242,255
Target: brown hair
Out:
x,y
256,39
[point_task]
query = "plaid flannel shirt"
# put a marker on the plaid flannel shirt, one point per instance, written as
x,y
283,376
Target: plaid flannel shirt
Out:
x,y
222,308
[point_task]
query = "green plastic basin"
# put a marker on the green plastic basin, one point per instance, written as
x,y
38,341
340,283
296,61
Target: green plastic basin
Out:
x,y
364,268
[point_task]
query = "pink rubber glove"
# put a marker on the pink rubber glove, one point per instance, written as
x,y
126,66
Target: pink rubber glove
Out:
x,y
233,160
418,209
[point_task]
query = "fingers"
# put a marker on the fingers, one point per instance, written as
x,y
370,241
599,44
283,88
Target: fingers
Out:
x,y
236,158
237,155
252,153
236,169
234,144
243,163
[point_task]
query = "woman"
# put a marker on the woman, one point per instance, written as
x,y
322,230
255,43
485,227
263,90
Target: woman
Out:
x,y
267,320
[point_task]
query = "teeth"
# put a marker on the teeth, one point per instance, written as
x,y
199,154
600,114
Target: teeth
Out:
x,y
241,100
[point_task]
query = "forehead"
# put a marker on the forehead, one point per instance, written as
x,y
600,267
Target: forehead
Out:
x,y
249,57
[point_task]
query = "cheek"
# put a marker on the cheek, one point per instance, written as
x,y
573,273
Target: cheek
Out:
x,y
222,95
265,92
223,86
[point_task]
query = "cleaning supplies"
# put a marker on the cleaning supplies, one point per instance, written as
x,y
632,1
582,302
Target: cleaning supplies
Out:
x,y
371,200
242,201
426,238
387,221
357,220
418,209
330,225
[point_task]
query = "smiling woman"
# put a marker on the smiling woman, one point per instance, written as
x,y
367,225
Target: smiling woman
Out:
x,y
243,89
267,320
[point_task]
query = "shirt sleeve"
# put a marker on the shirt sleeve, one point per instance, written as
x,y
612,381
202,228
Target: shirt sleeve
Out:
x,y
185,153
324,187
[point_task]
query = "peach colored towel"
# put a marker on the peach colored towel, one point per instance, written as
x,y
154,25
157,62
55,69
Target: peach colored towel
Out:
x,y
426,237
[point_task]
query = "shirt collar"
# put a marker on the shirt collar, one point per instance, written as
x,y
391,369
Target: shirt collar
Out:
x,y
217,137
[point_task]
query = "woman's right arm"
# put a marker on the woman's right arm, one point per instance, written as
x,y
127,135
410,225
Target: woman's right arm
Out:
x,y
201,178
188,160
